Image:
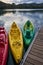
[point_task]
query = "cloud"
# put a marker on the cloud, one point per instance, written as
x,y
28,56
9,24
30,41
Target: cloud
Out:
x,y
7,1
22,1
18,0
27,1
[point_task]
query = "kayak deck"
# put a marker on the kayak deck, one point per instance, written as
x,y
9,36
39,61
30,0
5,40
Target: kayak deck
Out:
x,y
16,42
3,46
35,56
28,34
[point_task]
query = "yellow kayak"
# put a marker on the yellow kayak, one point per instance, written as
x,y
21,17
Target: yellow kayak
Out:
x,y
16,42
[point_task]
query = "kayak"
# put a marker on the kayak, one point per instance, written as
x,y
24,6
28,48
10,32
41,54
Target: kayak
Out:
x,y
3,46
28,33
16,42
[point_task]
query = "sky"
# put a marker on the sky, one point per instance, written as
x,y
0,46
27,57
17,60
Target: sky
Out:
x,y
22,1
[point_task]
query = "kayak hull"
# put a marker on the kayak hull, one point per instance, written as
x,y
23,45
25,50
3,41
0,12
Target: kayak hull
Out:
x,y
28,33
16,42
3,46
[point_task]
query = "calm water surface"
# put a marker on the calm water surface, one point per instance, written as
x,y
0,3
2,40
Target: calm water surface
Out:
x,y
20,17
7,17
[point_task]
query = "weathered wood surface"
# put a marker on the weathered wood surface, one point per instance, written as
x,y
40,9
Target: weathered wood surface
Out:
x,y
35,56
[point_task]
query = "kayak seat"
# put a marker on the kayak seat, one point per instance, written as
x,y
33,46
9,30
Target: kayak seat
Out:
x,y
16,44
28,36
1,28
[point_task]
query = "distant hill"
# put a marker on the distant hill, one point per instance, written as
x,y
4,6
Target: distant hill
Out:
x,y
20,6
30,6
4,5
1,3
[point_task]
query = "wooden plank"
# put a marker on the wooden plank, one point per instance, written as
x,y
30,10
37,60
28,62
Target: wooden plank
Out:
x,y
35,56
37,51
38,48
40,37
38,43
38,40
35,45
33,61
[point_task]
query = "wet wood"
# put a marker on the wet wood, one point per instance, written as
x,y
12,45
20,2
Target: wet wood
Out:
x,y
35,56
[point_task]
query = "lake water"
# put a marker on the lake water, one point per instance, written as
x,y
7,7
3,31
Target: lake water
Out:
x,y
20,17
7,17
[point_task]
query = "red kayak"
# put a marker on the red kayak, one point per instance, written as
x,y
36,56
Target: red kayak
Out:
x,y
3,46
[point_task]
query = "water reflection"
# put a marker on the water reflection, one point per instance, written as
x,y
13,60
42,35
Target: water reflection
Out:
x,y
20,17
2,11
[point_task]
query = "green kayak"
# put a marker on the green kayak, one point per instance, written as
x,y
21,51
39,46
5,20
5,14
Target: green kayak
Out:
x,y
28,33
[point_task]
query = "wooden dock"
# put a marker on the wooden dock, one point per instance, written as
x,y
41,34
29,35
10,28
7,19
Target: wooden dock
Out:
x,y
35,55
